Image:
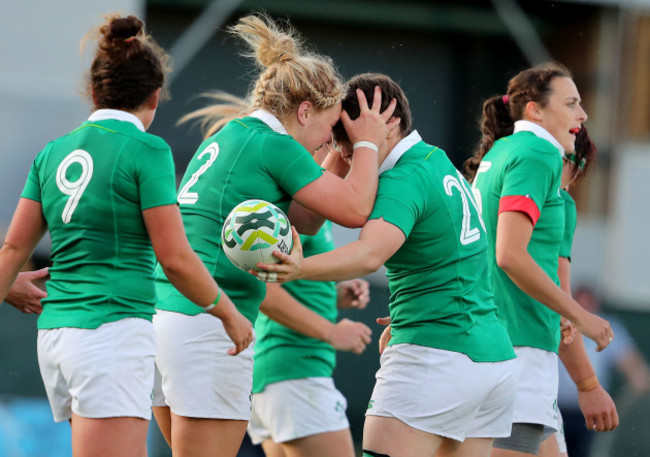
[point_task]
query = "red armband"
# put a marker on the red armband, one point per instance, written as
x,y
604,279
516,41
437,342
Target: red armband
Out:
x,y
520,203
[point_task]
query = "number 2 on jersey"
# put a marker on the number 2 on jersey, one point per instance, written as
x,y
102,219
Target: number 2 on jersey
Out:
x,y
185,196
74,189
467,234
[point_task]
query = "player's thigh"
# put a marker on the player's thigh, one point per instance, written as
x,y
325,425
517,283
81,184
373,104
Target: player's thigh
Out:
x,y
390,436
107,437
549,447
163,418
329,444
273,449
195,437
471,447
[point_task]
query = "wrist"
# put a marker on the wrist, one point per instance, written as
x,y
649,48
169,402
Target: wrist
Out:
x,y
365,144
588,384
214,303
330,333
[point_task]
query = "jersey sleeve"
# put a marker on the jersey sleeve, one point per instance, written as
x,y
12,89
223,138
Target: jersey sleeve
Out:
x,y
156,177
527,183
289,163
569,225
395,204
32,189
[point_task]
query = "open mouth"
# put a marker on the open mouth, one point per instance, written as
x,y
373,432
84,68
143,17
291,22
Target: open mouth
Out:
x,y
574,131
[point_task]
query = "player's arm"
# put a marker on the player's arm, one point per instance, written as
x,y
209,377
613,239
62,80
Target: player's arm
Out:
x,y
595,403
27,228
186,272
514,231
306,221
377,242
283,308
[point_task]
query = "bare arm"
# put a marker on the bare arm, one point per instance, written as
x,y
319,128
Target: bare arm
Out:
x,y
596,404
283,308
309,222
514,230
26,229
186,272
378,241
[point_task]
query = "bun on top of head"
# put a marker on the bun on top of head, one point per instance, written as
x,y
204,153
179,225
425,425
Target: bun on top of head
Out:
x,y
128,64
268,43
120,29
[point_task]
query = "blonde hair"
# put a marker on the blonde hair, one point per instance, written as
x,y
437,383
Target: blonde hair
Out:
x,y
289,75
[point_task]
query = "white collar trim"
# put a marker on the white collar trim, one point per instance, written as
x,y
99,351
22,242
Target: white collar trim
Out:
x,y
398,151
270,120
118,115
541,132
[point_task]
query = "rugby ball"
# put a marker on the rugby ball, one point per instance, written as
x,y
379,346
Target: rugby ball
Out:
x,y
253,230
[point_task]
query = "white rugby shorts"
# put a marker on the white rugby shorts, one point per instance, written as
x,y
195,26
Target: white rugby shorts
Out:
x,y
296,408
199,378
444,392
99,373
536,391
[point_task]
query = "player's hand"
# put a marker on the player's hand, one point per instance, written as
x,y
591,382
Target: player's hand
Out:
x,y
350,336
238,328
385,335
372,124
289,267
595,328
24,295
598,409
567,330
354,293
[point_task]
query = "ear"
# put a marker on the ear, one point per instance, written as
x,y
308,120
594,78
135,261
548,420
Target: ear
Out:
x,y
154,99
533,112
392,132
304,111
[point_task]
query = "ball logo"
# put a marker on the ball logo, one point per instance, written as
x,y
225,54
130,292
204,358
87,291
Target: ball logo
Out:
x,y
253,230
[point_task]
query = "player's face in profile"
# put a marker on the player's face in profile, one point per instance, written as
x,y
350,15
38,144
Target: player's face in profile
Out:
x,y
563,115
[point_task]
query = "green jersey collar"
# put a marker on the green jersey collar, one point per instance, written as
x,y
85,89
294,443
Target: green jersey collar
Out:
x,y
538,130
270,120
398,151
116,114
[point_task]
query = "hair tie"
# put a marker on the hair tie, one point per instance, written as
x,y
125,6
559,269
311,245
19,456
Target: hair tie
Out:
x,y
129,39
505,99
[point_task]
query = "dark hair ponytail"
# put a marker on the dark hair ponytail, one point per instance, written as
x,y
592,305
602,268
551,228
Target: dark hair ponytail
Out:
x,y
128,65
500,113
496,123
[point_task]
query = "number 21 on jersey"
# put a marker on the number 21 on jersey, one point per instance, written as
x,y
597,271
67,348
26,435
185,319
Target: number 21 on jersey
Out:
x,y
467,233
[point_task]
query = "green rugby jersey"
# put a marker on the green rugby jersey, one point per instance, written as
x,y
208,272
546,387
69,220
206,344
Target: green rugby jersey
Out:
x,y
281,353
522,172
93,184
438,279
249,158
570,222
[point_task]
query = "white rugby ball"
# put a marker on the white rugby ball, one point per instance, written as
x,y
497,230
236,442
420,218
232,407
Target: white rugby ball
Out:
x,y
253,230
